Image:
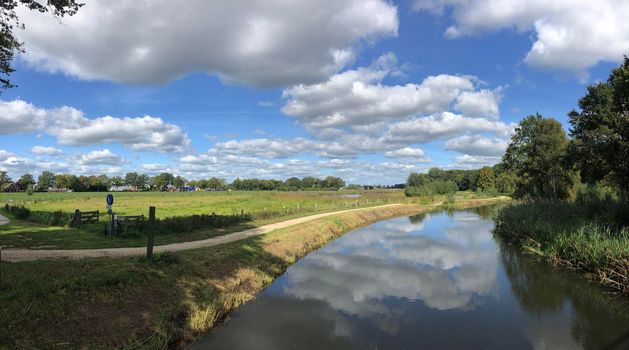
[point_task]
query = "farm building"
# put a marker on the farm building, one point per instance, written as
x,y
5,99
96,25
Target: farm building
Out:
x,y
123,188
10,187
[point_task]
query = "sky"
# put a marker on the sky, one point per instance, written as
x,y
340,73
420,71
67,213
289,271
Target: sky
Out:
x,y
367,90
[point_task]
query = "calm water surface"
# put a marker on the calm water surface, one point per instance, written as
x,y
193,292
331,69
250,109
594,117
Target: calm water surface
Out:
x,y
436,281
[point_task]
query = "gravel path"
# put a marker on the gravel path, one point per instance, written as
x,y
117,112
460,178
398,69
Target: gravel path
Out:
x,y
15,255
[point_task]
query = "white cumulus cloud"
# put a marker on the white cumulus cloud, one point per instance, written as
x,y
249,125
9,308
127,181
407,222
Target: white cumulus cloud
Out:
x,y
571,35
260,43
48,151
72,128
477,145
358,97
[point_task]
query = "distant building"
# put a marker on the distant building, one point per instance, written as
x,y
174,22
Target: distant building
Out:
x,y
188,189
123,188
62,189
10,187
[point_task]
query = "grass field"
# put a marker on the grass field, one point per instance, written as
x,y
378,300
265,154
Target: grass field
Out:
x,y
188,203
283,206
129,303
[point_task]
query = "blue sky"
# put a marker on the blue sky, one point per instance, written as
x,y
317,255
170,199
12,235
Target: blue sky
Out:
x,y
366,90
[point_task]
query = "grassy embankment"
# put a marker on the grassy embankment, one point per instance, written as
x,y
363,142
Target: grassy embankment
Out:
x,y
129,303
264,207
591,236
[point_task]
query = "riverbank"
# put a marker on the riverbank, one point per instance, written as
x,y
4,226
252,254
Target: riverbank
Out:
x,y
129,303
591,237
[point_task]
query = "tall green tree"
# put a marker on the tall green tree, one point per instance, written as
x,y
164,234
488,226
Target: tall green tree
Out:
x,y
536,155
45,180
25,181
179,181
486,178
9,21
600,131
4,178
505,182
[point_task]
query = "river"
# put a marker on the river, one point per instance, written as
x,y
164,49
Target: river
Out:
x,y
431,281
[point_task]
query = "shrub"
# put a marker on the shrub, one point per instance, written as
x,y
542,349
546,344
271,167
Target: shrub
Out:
x,y
432,188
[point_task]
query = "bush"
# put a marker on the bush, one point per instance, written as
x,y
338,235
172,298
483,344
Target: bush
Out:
x,y
432,188
20,212
57,218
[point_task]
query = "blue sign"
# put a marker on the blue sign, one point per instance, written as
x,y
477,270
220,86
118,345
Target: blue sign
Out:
x,y
110,199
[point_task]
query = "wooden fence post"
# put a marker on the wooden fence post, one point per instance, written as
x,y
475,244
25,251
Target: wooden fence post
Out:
x,y
77,218
150,234
242,214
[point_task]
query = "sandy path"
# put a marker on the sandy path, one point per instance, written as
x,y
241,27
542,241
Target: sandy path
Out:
x,y
29,254
4,220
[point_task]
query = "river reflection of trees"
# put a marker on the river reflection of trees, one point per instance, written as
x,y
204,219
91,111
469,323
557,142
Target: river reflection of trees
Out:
x,y
600,319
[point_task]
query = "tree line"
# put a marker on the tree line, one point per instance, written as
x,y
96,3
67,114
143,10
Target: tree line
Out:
x,y
141,182
438,181
543,161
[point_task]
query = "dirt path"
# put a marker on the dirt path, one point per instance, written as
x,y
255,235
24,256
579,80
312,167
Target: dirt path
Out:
x,y
4,220
15,255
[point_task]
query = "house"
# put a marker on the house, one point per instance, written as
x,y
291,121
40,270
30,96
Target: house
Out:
x,y
62,189
10,187
123,188
188,189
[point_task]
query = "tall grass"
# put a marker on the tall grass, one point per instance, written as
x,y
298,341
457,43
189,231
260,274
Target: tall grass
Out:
x,y
590,235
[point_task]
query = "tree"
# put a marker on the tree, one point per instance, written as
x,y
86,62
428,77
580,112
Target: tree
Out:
x,y
179,182
9,43
417,180
310,183
505,182
215,184
536,155
4,178
116,181
332,182
142,181
61,181
293,184
25,181
162,181
436,174
485,178
600,131
45,180
130,179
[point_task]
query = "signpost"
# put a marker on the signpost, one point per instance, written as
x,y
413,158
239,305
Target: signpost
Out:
x,y
110,202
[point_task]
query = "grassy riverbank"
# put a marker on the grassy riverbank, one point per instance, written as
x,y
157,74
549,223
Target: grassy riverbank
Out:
x,y
590,236
118,303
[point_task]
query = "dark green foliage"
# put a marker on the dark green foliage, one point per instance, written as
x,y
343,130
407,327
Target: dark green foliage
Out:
x,y
505,183
439,181
4,178
45,180
20,212
26,181
56,218
537,156
486,179
431,188
308,183
600,131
